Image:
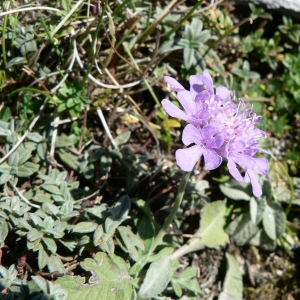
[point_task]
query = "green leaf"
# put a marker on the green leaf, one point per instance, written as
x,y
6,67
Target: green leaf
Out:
x,y
42,258
236,190
13,159
146,231
51,188
55,264
68,159
105,163
16,61
34,235
50,244
130,242
242,229
211,232
85,227
257,207
121,209
212,225
109,281
188,57
24,155
122,138
5,169
42,150
187,279
274,220
157,278
5,178
50,290
22,171
233,283
262,240
64,141
3,231
32,166
34,137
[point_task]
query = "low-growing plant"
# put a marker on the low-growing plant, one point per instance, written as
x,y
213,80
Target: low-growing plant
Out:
x,y
92,201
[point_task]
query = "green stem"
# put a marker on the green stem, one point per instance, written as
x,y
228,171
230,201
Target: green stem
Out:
x,y
91,54
3,42
51,39
164,228
173,212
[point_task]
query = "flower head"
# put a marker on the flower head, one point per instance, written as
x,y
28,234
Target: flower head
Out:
x,y
218,128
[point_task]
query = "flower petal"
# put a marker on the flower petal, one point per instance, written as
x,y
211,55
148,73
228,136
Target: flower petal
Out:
x,y
212,159
208,132
217,142
256,188
190,135
196,84
176,86
207,80
233,170
261,165
173,110
223,92
187,158
186,99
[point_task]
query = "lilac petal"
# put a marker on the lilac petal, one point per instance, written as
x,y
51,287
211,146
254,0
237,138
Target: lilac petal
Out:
x,y
187,158
173,111
207,80
208,132
233,170
190,135
261,165
217,142
176,86
237,146
196,84
223,92
186,99
212,159
202,96
256,188
245,161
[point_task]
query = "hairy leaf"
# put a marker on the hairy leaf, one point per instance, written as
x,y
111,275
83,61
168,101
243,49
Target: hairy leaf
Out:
x,y
233,284
157,278
109,281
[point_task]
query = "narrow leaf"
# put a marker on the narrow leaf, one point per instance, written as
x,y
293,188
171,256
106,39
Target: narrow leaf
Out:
x,y
157,278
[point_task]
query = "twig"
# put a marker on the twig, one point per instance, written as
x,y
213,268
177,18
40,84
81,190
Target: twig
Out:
x,y
13,11
103,121
53,138
21,196
66,75
108,86
68,15
25,134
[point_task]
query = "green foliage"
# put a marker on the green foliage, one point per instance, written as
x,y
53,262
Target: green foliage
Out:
x,y
83,199
109,279
233,284
242,70
194,38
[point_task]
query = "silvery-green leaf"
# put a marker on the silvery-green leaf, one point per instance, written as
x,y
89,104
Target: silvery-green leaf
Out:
x,y
85,227
157,278
274,220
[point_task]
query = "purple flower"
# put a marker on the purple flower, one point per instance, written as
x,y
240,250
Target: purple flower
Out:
x,y
206,141
236,154
218,128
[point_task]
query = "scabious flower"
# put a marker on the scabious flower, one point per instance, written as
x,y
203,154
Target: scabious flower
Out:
x,y
219,129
